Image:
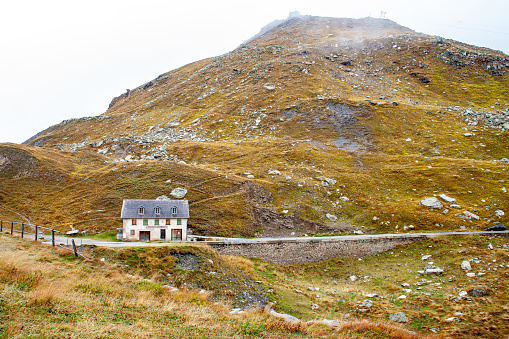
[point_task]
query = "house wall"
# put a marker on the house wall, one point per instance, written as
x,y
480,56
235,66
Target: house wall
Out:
x,y
155,230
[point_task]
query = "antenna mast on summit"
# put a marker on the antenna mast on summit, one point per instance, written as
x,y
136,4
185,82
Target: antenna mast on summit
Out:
x,y
383,14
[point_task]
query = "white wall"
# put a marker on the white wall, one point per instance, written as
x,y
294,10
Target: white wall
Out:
x,y
155,230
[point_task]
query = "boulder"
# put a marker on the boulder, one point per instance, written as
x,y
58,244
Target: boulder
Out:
x,y
331,217
399,317
426,257
433,270
477,292
178,192
471,215
287,317
466,265
352,278
499,213
431,202
274,172
447,199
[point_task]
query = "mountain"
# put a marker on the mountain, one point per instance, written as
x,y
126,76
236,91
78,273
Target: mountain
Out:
x,y
315,125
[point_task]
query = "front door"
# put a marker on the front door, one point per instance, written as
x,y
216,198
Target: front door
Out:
x,y
176,234
163,234
144,235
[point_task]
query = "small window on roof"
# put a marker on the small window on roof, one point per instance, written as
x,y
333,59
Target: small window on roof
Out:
x,y
141,210
157,210
174,210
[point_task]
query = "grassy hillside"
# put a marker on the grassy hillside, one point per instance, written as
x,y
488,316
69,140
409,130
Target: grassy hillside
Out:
x,y
46,292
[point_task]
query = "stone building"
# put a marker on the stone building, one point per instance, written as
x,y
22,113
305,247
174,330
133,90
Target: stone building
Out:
x,y
154,220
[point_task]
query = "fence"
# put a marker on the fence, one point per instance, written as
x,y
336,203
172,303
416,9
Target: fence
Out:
x,y
12,226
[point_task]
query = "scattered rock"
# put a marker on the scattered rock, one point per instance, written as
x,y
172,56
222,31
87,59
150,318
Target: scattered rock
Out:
x,y
477,292
463,294
471,274
490,246
314,307
447,199
250,176
399,317
471,215
405,285
466,265
426,257
287,317
274,172
431,202
169,288
314,288
504,160
178,192
331,217
327,181
499,213
433,270
455,206
73,232
451,319
358,232
372,295
352,278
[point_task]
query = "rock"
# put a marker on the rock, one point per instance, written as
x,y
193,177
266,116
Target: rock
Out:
x,y
274,172
314,307
405,285
162,197
477,292
504,160
471,274
270,87
314,288
359,232
352,278
399,317
426,257
431,202
178,192
463,294
466,265
169,288
433,270
467,134
458,314
455,206
471,215
447,199
331,323
331,217
401,297
327,181
366,303
236,311
490,246
372,295
287,317
250,176
344,198
168,181
451,319
407,290
499,213
73,232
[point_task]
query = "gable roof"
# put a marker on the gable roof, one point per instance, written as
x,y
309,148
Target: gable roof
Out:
x,y
130,209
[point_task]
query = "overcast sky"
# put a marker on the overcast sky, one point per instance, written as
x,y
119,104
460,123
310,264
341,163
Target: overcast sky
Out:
x,y
68,59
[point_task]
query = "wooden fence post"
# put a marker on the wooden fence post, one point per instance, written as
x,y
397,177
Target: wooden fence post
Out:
x,y
53,237
1,225
36,231
12,227
22,229
74,248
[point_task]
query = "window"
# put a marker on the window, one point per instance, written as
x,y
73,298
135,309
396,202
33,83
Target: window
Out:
x,y
132,232
157,210
156,222
141,210
174,210
134,222
168,222
145,222
179,221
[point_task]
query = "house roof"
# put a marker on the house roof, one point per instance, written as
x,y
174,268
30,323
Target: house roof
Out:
x,y
130,209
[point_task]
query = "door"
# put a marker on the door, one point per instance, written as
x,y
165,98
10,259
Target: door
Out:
x,y
144,235
176,234
163,234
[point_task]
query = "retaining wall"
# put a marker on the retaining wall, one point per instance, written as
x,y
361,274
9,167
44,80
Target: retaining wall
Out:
x,y
301,251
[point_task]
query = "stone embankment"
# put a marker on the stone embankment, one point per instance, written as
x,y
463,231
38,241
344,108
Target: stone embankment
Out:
x,y
299,250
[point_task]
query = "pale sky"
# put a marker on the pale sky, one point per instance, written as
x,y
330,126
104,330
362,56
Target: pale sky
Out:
x,y
68,59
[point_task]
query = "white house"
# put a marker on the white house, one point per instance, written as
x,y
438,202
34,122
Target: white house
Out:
x,y
154,220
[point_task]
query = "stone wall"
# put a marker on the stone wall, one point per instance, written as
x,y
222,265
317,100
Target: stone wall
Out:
x,y
301,251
